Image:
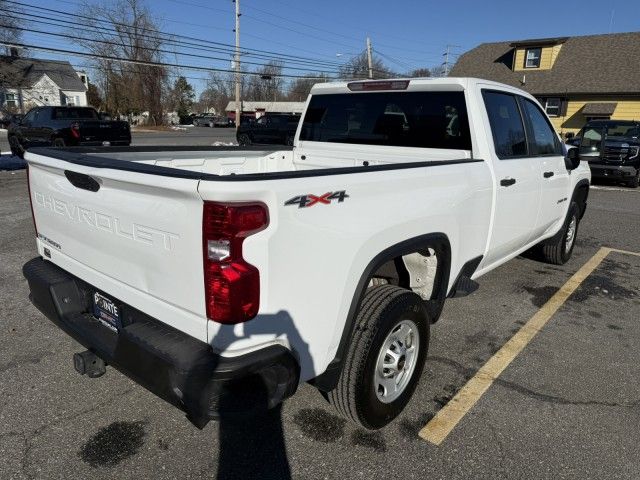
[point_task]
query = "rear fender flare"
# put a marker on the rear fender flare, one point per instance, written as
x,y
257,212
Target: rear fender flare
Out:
x,y
438,241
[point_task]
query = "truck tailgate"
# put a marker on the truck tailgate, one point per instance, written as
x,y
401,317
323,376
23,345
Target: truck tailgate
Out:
x,y
134,236
92,131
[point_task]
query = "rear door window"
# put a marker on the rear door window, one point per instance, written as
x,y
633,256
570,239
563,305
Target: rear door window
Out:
x,y
400,119
544,141
506,124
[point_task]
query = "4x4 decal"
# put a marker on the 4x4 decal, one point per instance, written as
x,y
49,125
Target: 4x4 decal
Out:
x,y
310,200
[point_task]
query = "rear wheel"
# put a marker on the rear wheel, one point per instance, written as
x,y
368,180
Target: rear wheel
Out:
x,y
558,249
16,148
385,359
243,139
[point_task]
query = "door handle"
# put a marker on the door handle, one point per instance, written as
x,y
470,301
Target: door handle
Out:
x,y
507,182
548,174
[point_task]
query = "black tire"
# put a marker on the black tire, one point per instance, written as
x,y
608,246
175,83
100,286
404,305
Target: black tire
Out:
x,y
59,142
356,396
555,250
243,139
635,181
16,149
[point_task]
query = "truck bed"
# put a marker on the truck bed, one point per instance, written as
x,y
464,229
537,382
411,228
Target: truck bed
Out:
x,y
247,163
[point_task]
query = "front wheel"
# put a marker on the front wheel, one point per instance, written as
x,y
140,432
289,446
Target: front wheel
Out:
x,y
243,139
559,248
58,142
385,359
16,149
635,181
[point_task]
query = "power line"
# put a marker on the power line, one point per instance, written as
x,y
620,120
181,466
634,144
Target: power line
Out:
x,y
158,50
284,27
367,30
143,62
246,51
169,42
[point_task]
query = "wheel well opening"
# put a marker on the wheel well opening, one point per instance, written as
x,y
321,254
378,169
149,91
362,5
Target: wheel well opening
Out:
x,y
582,192
420,271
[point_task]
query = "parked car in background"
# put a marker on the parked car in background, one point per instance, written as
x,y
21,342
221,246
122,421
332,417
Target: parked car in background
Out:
x,y
271,128
66,126
222,122
203,121
612,148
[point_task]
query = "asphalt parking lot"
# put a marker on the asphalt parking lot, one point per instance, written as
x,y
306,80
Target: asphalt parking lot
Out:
x,y
567,406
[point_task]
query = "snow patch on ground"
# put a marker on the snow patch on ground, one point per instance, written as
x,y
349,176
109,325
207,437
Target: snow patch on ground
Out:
x,y
224,144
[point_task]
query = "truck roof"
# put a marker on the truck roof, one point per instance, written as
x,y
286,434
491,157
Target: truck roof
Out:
x,y
412,84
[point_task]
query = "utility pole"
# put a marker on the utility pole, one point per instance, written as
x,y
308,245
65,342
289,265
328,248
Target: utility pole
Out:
x,y
237,65
446,58
369,58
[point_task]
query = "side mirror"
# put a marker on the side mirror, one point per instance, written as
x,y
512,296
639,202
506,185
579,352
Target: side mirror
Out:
x,y
572,159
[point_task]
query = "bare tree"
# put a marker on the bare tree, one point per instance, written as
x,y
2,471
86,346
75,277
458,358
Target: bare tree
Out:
x,y
358,68
419,72
267,84
220,90
126,29
300,87
10,24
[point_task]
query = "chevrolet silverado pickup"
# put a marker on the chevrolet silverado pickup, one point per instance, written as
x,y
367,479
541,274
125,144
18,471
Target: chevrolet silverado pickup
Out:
x,y
222,278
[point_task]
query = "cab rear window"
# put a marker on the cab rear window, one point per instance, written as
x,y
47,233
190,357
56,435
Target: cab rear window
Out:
x,y
70,113
399,119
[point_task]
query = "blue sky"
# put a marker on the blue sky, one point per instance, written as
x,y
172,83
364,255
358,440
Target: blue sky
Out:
x,y
412,33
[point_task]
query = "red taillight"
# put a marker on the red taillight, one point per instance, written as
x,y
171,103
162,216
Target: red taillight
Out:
x,y
33,216
75,130
232,286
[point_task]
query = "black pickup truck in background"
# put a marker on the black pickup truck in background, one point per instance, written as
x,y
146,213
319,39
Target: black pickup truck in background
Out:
x,y
612,148
271,128
66,126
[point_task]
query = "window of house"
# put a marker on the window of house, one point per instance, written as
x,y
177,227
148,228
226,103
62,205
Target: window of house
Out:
x,y
10,100
506,124
552,107
532,58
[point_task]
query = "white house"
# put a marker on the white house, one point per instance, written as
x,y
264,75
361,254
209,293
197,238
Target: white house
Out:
x,y
29,82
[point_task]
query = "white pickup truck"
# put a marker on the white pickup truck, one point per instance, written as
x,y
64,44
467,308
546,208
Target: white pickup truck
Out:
x,y
222,278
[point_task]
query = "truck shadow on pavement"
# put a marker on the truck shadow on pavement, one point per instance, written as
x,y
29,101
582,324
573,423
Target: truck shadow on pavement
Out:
x,y
252,445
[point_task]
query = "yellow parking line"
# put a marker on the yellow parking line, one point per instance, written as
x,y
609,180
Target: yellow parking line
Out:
x,y
448,417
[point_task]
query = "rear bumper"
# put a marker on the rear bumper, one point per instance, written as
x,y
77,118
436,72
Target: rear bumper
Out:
x,y
173,365
615,171
100,143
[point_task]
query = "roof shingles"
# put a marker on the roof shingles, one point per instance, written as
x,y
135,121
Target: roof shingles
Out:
x,y
593,64
24,72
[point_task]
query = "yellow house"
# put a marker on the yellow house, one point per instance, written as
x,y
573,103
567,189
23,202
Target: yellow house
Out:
x,y
576,79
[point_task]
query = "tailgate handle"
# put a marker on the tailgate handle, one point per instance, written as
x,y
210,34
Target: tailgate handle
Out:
x,y
80,180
